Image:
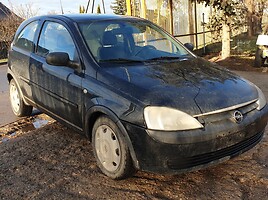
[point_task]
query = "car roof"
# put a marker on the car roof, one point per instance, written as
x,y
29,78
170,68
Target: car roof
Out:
x,y
95,17
77,18
83,17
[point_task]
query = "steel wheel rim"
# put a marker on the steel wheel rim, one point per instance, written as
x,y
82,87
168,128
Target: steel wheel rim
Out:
x,y
14,97
107,148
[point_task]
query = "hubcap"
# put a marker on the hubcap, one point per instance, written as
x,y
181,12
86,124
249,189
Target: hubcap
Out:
x,y
107,148
14,97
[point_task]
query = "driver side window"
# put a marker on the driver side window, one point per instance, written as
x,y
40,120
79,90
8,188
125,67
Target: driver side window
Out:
x,y
56,38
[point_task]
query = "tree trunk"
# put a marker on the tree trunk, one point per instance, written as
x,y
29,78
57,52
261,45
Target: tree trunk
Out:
x,y
226,45
259,16
191,21
250,8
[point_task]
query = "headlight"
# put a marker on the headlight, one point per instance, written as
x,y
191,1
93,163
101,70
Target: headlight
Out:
x,y
168,119
261,99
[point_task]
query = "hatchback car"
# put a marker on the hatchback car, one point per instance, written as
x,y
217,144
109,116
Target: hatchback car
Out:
x,y
144,100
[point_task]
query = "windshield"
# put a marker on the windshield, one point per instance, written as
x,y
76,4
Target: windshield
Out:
x,y
130,40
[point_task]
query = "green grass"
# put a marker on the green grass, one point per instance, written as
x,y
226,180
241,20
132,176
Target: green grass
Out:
x,y
240,45
243,45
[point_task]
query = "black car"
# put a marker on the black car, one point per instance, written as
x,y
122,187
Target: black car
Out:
x,y
143,99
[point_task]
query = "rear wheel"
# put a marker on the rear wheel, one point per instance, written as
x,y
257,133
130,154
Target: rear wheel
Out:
x,y
110,149
19,108
259,60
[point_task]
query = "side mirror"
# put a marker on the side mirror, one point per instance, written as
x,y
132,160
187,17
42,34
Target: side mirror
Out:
x,y
60,59
189,46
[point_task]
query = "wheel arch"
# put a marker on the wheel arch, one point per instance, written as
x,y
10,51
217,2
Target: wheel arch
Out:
x,y
94,113
11,76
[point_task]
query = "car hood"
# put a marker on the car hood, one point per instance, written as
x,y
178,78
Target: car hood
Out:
x,y
194,86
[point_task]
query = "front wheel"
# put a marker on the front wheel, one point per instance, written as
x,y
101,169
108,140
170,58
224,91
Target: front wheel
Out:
x,y
18,106
110,149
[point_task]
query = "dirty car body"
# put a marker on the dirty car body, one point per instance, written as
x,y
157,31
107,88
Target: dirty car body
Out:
x,y
164,109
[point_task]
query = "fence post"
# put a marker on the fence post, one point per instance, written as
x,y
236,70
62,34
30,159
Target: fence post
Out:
x,y
204,35
196,35
128,7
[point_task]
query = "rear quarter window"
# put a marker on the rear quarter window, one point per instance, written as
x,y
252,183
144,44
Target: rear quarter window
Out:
x,y
25,39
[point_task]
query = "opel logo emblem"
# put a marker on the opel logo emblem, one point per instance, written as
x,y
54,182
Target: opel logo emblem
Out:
x,y
238,116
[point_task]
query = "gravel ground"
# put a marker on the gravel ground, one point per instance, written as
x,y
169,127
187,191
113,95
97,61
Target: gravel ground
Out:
x,y
42,159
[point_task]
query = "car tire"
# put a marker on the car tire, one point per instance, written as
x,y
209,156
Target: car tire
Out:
x,y
259,61
111,150
18,106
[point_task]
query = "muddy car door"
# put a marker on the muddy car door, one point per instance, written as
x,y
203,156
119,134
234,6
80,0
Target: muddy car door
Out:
x,y
57,89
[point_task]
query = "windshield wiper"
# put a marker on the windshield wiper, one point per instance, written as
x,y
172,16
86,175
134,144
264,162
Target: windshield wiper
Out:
x,y
164,58
120,60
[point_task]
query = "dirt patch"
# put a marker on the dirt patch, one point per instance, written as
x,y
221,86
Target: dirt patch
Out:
x,y
238,63
42,159
54,162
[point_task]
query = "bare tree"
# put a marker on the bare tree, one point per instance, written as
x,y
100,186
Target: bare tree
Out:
x,y
8,27
53,12
10,23
26,11
260,7
255,11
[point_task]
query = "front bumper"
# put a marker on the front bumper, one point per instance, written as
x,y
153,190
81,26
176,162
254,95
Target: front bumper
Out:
x,y
176,152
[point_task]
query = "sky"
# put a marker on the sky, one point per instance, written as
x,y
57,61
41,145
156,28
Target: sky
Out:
x,y
47,6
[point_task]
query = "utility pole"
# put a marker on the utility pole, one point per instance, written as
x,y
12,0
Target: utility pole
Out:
x,y
103,6
61,7
88,2
92,10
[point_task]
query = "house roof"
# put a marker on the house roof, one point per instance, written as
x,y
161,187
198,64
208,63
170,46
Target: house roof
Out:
x,y
5,12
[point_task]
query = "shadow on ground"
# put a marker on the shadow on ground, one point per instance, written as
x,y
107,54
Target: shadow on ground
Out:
x,y
241,63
